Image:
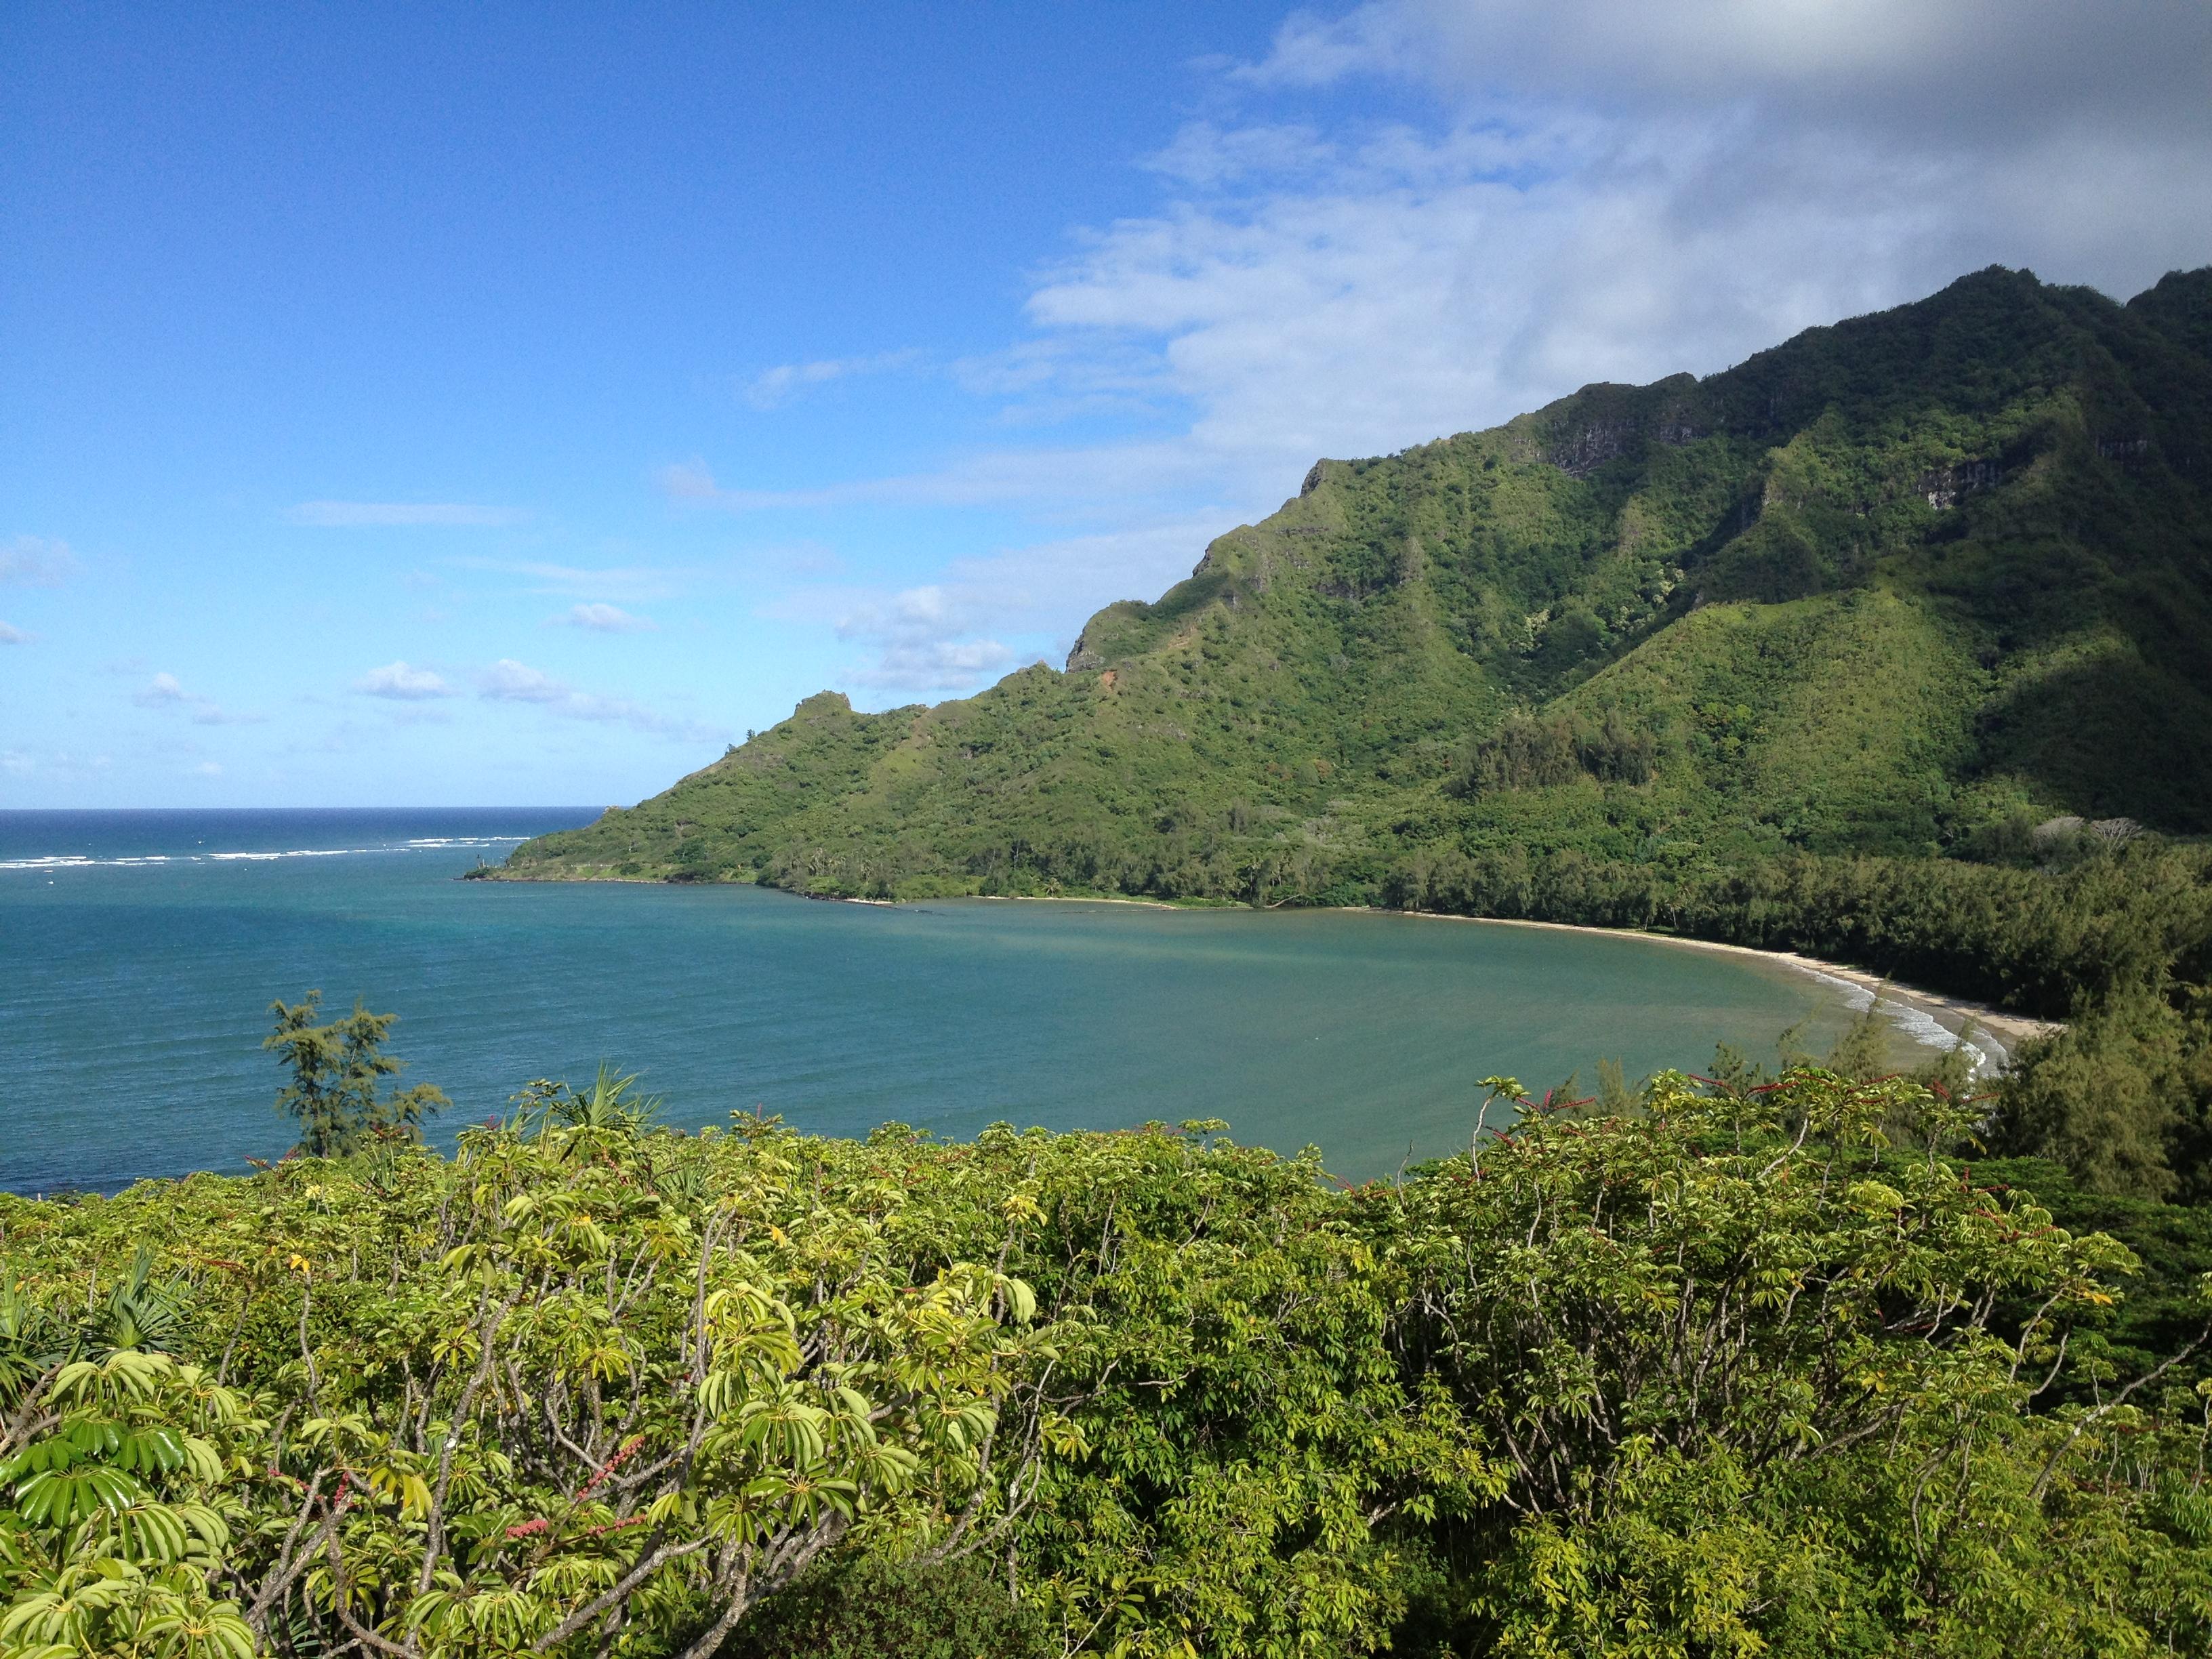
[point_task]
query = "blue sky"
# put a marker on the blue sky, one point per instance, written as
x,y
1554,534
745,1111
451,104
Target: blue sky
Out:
x,y
444,405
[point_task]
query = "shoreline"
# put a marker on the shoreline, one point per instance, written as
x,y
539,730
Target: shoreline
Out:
x,y
1921,1014
1994,1028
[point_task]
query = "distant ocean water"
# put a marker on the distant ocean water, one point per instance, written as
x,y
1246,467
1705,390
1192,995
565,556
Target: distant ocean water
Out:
x,y
139,952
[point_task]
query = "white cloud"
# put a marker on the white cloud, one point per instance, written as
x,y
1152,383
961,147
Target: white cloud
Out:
x,y
945,636
1613,191
925,641
772,386
1966,69
22,763
607,619
938,666
403,683
634,583
1055,478
1418,284
36,560
10,634
1209,156
357,514
1607,191
209,769
164,690
509,681
688,481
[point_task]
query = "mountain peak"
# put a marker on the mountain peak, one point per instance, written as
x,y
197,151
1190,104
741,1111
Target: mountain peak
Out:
x,y
1874,589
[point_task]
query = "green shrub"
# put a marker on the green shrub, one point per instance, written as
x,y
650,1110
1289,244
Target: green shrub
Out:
x,y
871,1608
1523,753
1724,1373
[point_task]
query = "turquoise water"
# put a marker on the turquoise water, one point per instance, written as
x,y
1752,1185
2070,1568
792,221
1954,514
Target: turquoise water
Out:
x,y
139,952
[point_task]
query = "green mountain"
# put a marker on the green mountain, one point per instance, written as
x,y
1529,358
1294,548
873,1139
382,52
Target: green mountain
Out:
x,y
1901,586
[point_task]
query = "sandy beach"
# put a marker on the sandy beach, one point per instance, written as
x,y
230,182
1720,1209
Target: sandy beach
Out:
x,y
1921,1014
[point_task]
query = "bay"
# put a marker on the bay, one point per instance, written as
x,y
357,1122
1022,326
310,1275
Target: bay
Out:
x,y
139,952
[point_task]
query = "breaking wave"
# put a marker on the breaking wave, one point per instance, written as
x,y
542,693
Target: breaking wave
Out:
x,y
419,844
1917,1023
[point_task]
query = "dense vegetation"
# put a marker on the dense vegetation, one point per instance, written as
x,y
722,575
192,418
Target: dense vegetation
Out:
x,y
1735,1370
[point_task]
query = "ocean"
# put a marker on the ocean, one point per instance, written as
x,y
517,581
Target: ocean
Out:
x,y
139,952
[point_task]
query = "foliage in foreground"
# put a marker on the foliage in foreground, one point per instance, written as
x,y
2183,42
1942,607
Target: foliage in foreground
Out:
x,y
1725,1374
872,1608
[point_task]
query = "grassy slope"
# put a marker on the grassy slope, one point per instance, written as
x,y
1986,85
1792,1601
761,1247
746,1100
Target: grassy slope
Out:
x,y
1747,569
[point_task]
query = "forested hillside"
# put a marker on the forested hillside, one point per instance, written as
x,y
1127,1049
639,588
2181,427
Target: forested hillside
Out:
x,y
1902,587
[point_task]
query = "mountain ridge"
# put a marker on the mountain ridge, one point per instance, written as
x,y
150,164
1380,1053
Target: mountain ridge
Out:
x,y
1893,587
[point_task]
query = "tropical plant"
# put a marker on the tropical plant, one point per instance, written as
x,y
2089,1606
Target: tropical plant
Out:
x,y
336,1069
120,1473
